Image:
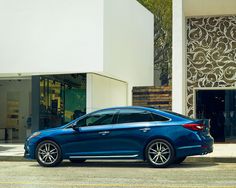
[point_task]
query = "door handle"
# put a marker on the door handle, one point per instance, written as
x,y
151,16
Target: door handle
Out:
x,y
145,130
104,132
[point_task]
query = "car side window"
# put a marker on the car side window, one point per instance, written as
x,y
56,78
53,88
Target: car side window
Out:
x,y
98,118
157,117
133,115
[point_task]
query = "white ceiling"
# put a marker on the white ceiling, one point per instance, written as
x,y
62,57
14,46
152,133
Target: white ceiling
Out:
x,y
209,7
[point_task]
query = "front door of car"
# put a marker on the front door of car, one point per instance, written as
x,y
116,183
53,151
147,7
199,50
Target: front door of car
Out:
x,y
91,135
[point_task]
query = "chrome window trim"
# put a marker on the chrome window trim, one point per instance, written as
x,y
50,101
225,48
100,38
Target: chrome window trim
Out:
x,y
117,113
169,119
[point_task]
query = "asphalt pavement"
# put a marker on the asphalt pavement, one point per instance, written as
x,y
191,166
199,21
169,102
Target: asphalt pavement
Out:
x,y
116,174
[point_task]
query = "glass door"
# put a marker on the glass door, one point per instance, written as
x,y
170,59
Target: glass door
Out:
x,y
220,107
62,99
51,103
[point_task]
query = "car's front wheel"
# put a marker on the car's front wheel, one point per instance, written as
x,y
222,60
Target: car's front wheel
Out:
x,y
159,153
48,153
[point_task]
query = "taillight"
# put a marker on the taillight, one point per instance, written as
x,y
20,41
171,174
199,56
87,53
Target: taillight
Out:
x,y
194,126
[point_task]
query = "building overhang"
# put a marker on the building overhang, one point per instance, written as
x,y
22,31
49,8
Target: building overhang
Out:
x,y
209,7
65,37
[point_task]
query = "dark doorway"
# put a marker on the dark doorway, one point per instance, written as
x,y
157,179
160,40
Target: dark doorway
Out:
x,y
220,107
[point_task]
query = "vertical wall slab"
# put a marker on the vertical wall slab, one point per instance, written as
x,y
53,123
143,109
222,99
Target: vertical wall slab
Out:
x,y
104,92
128,43
35,103
178,58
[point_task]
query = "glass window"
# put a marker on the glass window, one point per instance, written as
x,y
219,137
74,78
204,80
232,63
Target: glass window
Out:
x,y
51,103
75,102
62,99
134,115
99,118
177,114
157,117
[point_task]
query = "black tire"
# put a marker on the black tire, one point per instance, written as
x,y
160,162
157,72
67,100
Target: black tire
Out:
x,y
159,153
48,153
77,160
179,160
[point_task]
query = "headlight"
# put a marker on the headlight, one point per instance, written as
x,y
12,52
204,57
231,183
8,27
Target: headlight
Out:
x,y
34,135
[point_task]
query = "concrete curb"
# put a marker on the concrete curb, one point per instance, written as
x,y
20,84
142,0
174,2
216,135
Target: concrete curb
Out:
x,y
12,158
212,159
189,159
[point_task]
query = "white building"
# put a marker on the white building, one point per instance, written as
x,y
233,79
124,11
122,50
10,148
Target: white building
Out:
x,y
63,58
204,63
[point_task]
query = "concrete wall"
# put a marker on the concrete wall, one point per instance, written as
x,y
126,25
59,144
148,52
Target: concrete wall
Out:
x,y
11,89
50,36
109,37
128,43
104,92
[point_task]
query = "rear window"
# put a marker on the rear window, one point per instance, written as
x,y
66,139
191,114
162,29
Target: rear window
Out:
x,y
159,118
177,114
138,115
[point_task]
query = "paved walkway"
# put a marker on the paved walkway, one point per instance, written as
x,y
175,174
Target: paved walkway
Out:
x,y
220,150
11,150
223,150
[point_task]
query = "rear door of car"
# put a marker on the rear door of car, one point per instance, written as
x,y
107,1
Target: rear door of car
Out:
x,y
130,131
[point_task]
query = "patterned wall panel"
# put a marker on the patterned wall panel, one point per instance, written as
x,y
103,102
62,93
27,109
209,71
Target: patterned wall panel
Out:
x,y
211,54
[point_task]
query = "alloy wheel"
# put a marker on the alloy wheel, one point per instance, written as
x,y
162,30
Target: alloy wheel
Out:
x,y
48,153
159,153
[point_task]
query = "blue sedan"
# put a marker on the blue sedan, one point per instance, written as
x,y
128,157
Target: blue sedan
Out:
x,y
159,137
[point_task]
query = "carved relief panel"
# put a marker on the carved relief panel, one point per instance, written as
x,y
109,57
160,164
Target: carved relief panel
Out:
x,y
211,54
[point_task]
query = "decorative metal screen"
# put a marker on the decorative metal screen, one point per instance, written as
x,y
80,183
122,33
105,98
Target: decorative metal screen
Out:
x,y
211,54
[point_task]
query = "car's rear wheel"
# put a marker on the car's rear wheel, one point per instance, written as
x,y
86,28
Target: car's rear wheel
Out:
x,y
48,153
77,160
179,160
159,153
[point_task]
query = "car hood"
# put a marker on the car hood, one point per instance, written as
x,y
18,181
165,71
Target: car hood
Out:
x,y
50,130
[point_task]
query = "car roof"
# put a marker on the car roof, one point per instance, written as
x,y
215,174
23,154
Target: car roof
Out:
x,y
135,107
131,107
164,113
